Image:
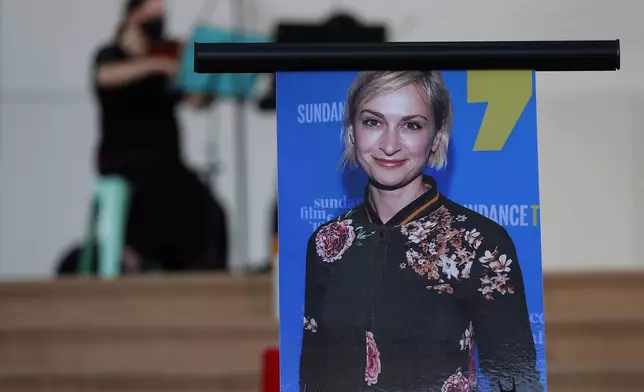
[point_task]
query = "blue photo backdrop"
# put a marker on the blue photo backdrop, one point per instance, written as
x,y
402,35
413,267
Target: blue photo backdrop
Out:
x,y
492,168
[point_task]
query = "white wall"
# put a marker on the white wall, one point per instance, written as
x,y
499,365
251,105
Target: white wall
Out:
x,y
589,122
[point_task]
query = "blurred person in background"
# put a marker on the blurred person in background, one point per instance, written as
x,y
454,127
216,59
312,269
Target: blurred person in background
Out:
x,y
173,217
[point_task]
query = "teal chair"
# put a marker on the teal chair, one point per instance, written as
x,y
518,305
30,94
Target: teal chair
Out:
x,y
106,227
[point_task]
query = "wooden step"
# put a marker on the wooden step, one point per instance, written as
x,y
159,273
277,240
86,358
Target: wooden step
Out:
x,y
179,333
136,350
198,333
594,331
179,301
593,380
595,345
109,382
201,300
596,298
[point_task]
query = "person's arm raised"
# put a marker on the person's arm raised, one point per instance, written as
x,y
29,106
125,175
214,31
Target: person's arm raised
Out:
x,y
119,73
113,70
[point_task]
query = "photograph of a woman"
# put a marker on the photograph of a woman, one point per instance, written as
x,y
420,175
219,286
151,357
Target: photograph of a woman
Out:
x,y
410,291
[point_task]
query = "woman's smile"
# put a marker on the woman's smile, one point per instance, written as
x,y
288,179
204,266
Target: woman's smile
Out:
x,y
390,163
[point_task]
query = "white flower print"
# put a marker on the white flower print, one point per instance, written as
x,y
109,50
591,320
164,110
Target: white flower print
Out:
x,y
442,287
464,254
418,231
438,250
431,248
495,262
467,338
487,287
422,264
310,324
498,265
473,237
465,274
449,265
498,283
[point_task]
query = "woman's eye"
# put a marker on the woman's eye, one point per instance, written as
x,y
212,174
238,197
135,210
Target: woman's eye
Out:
x,y
413,126
371,123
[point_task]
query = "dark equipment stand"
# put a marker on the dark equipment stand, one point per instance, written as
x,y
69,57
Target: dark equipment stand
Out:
x,y
512,55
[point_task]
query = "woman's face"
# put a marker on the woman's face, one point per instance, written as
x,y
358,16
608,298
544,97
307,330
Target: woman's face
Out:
x,y
151,19
152,9
393,135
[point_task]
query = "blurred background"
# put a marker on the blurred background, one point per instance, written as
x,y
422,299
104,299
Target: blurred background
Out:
x,y
54,155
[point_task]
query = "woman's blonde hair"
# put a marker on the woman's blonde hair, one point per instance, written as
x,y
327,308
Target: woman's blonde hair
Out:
x,y
369,84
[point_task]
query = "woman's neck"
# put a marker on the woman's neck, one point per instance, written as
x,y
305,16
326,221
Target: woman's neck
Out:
x,y
389,202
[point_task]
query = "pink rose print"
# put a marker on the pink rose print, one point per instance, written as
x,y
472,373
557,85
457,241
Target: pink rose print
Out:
x,y
334,239
373,361
456,383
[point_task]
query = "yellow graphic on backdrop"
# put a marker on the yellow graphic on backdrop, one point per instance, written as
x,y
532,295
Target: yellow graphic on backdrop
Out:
x,y
535,214
507,94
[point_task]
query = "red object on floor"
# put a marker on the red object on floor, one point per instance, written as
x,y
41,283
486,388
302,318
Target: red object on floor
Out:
x,y
271,370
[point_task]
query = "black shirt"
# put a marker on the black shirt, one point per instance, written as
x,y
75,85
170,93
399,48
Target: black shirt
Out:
x,y
400,306
137,117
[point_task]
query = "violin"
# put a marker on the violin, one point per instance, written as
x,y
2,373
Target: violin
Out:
x,y
166,49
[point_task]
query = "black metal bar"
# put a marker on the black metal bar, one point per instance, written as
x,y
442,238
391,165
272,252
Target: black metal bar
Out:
x,y
281,57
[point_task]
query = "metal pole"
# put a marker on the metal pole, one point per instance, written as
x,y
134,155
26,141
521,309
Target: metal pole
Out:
x,y
241,234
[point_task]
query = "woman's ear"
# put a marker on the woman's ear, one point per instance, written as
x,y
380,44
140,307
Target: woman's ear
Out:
x,y
351,134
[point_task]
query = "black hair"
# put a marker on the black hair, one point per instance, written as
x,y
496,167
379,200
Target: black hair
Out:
x,y
131,5
153,29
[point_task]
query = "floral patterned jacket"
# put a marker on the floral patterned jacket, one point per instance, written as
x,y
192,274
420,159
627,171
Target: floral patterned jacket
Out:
x,y
400,306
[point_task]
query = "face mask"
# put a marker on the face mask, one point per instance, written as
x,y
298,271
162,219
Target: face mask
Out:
x,y
153,29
